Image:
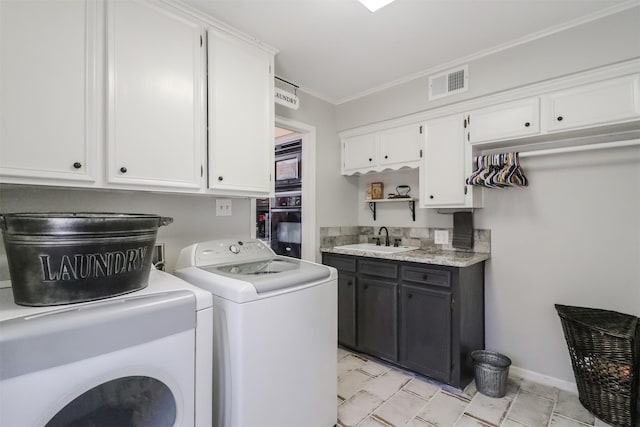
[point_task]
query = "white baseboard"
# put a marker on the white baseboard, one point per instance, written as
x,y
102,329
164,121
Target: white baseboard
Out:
x,y
544,379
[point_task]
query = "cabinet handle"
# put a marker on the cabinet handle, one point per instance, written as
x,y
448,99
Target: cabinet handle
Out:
x,y
366,286
220,178
386,157
527,124
348,283
123,170
425,277
560,118
370,159
77,165
431,196
410,296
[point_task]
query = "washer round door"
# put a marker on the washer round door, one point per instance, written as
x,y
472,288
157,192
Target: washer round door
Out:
x,y
136,401
125,362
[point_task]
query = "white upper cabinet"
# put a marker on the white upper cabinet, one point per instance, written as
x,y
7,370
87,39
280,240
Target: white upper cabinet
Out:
x,y
241,116
607,102
400,146
155,96
442,172
504,121
392,148
359,153
47,91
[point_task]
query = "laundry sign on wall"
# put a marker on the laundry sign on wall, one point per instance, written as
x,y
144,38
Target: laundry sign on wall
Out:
x,y
285,98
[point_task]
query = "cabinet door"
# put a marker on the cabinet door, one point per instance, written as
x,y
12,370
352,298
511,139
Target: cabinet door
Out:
x,y
443,163
347,309
600,103
155,123
400,147
359,153
510,120
378,318
47,89
241,117
425,331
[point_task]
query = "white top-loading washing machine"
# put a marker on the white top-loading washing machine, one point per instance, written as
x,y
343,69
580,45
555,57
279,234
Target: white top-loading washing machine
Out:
x,y
121,361
275,334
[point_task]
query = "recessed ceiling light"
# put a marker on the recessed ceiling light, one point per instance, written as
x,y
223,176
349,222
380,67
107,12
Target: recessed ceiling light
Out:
x,y
374,5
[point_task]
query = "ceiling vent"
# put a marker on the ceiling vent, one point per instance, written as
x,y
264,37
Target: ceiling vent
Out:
x,y
448,82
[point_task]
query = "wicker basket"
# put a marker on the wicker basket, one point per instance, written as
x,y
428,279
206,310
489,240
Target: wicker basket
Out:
x,y
491,371
604,347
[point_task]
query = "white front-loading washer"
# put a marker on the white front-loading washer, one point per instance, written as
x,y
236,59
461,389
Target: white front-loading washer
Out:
x,y
275,334
130,360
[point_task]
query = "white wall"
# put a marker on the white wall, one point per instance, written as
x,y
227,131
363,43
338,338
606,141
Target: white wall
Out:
x,y
194,217
573,236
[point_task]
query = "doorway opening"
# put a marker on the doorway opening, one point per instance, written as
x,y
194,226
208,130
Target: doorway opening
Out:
x,y
287,221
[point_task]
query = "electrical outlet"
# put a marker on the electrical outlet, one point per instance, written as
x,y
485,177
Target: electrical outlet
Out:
x,y
442,237
223,207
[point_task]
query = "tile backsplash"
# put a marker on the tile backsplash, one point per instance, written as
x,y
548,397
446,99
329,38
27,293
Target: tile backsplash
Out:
x,y
423,237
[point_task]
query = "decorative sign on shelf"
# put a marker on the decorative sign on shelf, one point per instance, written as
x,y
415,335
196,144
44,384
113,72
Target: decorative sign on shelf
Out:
x,y
285,98
374,191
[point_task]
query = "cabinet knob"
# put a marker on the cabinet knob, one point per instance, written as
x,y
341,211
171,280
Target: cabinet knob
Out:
x,y
366,286
123,170
431,196
77,165
410,296
386,157
348,283
220,178
559,118
370,159
527,124
424,277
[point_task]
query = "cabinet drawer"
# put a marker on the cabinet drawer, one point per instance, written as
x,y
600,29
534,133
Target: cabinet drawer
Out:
x,y
341,263
427,276
378,268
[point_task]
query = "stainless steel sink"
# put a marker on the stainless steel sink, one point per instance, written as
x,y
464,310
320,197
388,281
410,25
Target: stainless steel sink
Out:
x,y
372,247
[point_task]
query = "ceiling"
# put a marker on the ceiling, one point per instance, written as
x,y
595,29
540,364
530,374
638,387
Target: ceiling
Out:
x,y
337,50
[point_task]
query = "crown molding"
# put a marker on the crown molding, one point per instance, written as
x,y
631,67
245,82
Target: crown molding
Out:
x,y
208,20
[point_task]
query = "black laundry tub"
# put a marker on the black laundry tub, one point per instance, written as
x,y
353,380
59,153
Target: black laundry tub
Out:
x,y
66,257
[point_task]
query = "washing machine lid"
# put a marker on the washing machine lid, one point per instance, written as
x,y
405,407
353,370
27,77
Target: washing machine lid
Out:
x,y
272,274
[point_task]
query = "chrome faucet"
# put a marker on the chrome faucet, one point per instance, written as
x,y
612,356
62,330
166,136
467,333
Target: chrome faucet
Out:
x,y
386,238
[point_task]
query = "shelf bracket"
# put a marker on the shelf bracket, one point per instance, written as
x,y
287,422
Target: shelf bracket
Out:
x,y
372,206
412,207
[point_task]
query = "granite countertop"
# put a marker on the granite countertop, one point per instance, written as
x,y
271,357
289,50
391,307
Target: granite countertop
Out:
x,y
436,257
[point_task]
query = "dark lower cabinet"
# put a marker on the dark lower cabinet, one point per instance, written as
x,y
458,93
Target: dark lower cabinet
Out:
x,y
347,283
425,331
377,318
423,317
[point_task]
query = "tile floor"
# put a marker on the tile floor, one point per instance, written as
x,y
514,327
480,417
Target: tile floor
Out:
x,y
372,394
